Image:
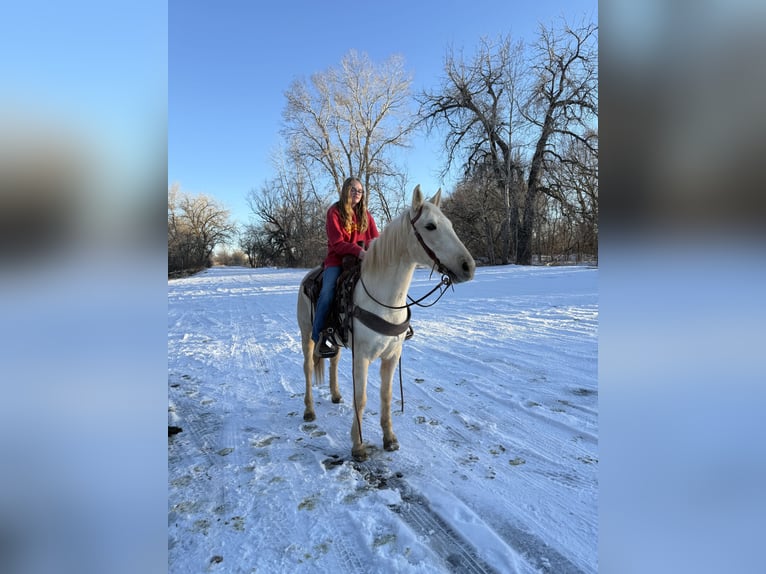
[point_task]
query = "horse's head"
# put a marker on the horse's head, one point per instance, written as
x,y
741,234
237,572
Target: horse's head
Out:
x,y
437,245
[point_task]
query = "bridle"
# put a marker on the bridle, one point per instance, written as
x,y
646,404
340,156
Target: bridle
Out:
x,y
438,265
446,280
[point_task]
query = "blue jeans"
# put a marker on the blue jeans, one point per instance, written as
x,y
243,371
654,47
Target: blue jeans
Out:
x,y
326,295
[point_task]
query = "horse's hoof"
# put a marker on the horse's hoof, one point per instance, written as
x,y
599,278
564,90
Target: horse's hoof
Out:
x,y
360,454
391,445
308,417
336,400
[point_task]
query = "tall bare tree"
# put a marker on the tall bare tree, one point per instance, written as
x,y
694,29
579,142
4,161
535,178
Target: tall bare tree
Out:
x,y
506,120
347,122
478,104
562,104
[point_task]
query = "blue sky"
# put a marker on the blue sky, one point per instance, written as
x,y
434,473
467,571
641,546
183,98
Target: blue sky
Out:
x,y
231,62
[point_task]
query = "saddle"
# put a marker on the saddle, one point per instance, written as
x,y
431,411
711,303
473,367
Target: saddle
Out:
x,y
342,308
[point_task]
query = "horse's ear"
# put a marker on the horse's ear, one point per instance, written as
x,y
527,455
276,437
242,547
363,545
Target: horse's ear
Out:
x,y
436,199
417,198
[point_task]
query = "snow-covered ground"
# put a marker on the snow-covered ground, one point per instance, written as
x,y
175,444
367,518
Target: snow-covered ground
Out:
x,y
498,465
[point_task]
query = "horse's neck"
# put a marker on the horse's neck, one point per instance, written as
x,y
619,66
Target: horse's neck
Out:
x,y
387,276
389,286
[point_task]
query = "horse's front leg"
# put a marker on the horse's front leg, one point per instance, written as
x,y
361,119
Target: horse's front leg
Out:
x,y
334,391
387,367
361,365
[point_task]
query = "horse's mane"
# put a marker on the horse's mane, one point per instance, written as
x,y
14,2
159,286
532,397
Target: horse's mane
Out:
x,y
387,249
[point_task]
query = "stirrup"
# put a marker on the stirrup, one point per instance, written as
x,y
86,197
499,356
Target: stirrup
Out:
x,y
325,348
410,333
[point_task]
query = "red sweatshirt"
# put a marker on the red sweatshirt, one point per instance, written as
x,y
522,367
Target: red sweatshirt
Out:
x,y
340,242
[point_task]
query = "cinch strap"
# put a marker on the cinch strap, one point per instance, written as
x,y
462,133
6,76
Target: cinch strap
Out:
x,y
379,325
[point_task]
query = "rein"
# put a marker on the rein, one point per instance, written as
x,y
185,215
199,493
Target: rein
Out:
x,y
444,283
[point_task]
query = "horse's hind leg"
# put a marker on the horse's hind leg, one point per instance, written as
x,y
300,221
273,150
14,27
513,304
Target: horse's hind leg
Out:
x,y
334,391
308,367
387,367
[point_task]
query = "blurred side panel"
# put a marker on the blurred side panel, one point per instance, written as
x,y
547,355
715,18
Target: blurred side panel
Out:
x,y
683,272
83,147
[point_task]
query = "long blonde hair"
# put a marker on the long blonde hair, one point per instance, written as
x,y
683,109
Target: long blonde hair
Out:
x,y
347,212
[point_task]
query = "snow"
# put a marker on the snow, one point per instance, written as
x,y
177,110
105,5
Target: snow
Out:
x,y
498,465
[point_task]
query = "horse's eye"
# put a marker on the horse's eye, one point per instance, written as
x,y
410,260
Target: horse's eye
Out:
x,y
430,226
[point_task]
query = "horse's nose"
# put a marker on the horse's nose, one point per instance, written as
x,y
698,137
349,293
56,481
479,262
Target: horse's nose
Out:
x,y
469,266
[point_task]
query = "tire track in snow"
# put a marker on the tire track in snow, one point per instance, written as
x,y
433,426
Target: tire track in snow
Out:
x,y
255,317
458,554
348,558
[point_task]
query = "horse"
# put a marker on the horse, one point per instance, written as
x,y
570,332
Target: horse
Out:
x,y
420,235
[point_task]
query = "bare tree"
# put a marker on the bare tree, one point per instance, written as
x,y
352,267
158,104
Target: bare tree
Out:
x,y
289,226
348,121
478,104
256,241
562,105
495,111
476,211
572,182
196,225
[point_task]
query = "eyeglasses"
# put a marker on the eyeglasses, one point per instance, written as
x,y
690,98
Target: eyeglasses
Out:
x,y
357,191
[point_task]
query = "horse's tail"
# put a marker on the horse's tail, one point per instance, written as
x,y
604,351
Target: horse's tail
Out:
x,y
318,371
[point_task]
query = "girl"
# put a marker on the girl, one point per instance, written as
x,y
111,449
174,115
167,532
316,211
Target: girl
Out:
x,y
350,228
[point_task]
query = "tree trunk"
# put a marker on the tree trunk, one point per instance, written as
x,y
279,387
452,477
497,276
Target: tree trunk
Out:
x,y
524,253
505,238
506,226
488,239
513,231
524,247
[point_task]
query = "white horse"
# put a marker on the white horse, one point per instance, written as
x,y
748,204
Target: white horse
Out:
x,y
420,235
